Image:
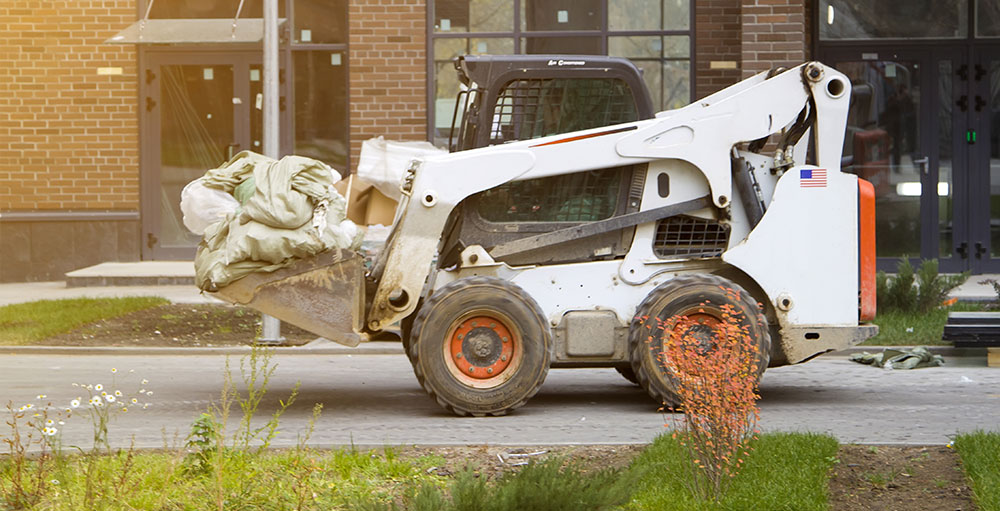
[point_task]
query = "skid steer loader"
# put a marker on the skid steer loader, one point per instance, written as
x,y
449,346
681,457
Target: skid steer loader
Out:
x,y
504,261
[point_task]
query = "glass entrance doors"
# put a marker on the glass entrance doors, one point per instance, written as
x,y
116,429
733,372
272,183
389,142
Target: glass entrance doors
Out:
x,y
200,109
921,128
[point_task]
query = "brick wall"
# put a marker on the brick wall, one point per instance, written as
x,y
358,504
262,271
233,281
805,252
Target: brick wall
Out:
x,y
717,45
388,82
70,135
774,34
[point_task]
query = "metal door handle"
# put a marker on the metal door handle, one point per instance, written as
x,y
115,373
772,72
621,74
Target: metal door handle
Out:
x,y
923,163
231,150
963,250
980,250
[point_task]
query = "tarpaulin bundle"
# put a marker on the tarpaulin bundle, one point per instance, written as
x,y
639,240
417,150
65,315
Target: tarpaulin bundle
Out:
x,y
287,209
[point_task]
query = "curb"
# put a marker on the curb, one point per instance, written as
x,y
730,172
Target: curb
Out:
x,y
944,351
317,347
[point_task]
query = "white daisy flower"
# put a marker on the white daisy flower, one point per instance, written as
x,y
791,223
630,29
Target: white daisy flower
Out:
x,y
118,393
149,393
41,396
50,422
134,400
145,381
113,370
75,403
96,401
110,398
98,387
124,409
50,431
54,482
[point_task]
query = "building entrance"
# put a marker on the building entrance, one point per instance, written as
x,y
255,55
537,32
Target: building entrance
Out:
x,y
198,109
924,128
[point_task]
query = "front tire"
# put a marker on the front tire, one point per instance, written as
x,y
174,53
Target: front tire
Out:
x,y
480,346
700,298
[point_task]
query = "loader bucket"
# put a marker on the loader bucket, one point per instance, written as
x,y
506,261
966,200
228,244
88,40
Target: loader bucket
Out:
x,y
322,294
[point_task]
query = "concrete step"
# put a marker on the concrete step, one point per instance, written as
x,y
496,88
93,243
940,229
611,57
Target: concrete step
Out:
x,y
143,273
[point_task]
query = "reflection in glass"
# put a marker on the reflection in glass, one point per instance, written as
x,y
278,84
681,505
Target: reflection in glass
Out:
x,y
321,107
946,216
649,14
473,16
196,127
561,15
640,47
562,45
987,18
320,21
882,134
865,19
994,127
446,86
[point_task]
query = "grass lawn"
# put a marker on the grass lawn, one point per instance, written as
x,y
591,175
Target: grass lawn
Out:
x,y
27,323
915,329
784,471
980,452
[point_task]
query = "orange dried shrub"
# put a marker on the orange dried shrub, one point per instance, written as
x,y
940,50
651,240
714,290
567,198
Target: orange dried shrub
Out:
x,y
713,365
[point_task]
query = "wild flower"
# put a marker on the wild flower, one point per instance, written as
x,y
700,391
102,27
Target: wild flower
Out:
x,y
41,396
110,398
96,401
98,387
49,431
75,403
113,370
118,393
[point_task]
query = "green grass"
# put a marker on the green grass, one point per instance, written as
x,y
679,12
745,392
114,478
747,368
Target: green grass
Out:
x,y
980,452
325,480
913,329
27,323
785,471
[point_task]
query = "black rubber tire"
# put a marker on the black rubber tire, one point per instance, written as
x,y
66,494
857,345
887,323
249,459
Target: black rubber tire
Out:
x,y
677,295
628,373
443,312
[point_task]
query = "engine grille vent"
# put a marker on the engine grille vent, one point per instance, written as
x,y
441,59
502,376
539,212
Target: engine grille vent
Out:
x,y
685,236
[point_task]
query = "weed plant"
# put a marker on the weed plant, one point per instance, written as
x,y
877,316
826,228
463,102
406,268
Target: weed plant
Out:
x,y
919,291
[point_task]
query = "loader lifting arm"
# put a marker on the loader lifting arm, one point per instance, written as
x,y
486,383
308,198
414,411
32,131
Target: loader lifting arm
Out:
x,y
703,134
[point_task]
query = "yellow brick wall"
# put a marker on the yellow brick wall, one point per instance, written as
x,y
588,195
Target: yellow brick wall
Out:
x,y
70,136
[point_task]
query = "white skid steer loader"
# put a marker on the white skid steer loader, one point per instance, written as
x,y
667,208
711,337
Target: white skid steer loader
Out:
x,y
507,260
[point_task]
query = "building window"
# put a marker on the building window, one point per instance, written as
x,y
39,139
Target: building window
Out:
x,y
318,51
656,35
867,20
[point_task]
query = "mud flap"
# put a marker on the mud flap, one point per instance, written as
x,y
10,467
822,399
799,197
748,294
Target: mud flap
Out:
x,y
323,294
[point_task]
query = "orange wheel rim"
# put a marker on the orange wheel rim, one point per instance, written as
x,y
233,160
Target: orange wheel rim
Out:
x,y
482,350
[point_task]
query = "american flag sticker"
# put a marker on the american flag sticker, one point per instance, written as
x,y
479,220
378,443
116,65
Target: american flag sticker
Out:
x,y
812,178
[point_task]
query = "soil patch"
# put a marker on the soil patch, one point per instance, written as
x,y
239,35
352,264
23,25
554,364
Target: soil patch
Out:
x,y
493,461
178,325
892,478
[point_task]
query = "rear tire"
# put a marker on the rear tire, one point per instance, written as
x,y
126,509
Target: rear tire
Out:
x,y
693,296
480,346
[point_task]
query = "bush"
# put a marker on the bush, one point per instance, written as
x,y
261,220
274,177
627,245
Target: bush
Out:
x,y
919,291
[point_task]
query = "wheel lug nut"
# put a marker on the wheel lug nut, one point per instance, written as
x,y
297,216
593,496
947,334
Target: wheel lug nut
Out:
x,y
473,323
460,336
458,355
503,357
504,339
489,370
471,369
493,325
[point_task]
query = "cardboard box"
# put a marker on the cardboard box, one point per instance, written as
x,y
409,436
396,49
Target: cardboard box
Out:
x,y
365,204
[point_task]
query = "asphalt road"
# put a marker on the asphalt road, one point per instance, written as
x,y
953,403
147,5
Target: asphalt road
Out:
x,y
374,400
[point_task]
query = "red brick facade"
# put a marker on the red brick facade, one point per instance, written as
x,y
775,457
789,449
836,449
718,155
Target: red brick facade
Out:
x,y
774,34
71,130
717,45
388,70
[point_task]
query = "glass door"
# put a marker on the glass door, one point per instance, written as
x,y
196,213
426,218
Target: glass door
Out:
x,y
981,138
199,110
890,140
